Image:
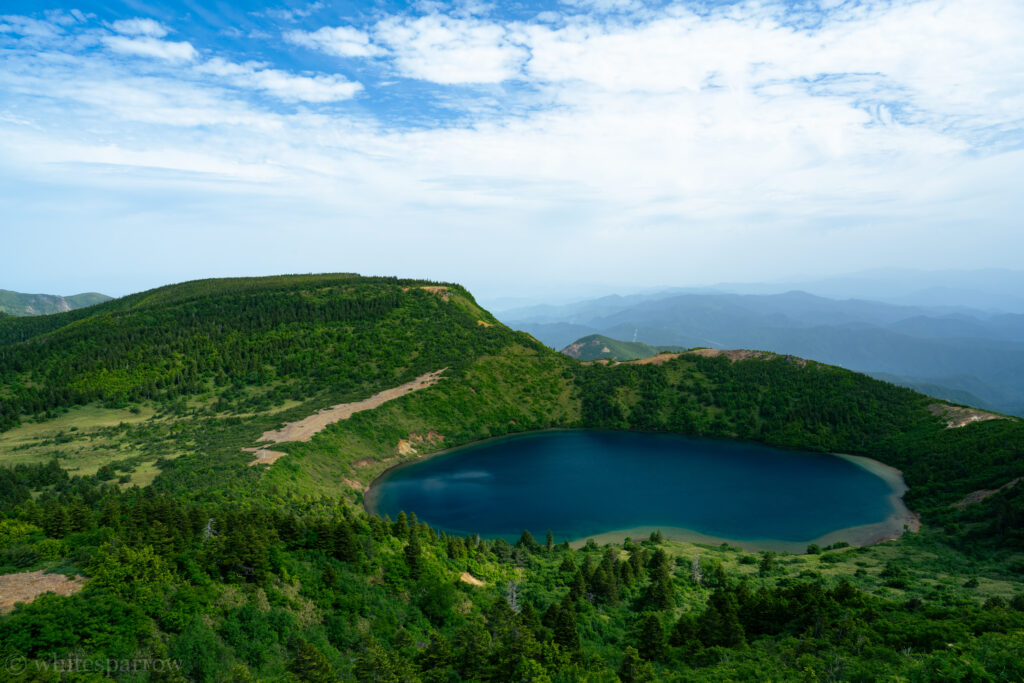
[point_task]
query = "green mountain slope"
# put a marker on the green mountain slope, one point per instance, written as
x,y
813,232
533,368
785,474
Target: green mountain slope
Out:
x,y
16,303
223,570
597,346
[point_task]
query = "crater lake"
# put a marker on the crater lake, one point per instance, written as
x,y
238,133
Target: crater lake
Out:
x,y
608,485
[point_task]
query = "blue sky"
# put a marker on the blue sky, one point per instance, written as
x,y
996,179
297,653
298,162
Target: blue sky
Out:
x,y
594,141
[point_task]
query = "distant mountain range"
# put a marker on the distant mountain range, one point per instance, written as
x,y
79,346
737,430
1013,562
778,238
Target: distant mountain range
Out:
x,y
960,354
991,289
16,303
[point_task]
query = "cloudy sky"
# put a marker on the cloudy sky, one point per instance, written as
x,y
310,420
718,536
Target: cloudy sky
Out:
x,y
588,141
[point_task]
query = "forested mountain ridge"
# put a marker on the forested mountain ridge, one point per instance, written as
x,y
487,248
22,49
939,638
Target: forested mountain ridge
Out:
x,y
949,350
597,346
17,303
273,573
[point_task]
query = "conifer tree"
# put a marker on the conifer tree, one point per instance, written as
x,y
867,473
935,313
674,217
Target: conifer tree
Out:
x,y
309,664
634,669
413,552
566,633
400,528
651,643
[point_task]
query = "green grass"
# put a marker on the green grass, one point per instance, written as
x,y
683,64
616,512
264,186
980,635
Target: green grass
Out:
x,y
935,571
84,438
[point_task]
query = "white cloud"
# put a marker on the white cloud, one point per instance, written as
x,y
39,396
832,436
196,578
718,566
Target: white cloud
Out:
x,y
452,51
606,5
340,41
694,133
293,14
140,27
282,84
28,27
154,48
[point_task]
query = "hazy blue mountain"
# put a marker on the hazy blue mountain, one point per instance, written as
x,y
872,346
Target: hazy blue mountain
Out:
x,y
930,388
968,355
16,303
990,289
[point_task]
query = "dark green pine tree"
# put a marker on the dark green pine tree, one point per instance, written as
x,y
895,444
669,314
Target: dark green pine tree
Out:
x,y
528,617
527,542
767,565
400,528
578,586
625,571
437,657
651,641
324,536
346,547
720,623
549,545
413,555
634,669
604,583
566,633
685,632
374,665
660,593
329,576
637,561
309,664
472,644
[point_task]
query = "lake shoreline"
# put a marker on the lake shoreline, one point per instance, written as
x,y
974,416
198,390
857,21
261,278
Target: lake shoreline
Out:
x,y
899,521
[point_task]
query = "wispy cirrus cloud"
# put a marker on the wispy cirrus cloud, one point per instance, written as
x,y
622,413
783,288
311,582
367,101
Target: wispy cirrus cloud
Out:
x,y
339,41
452,51
140,27
154,48
282,84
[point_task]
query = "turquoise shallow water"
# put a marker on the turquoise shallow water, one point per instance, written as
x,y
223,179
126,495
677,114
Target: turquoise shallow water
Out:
x,y
585,483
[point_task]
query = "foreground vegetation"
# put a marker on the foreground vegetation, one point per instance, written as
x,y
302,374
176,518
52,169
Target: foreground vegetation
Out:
x,y
274,573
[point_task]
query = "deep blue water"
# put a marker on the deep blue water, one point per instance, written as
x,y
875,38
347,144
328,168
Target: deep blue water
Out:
x,y
584,483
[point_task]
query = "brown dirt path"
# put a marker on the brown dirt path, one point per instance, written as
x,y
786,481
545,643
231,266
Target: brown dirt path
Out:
x,y
955,416
303,430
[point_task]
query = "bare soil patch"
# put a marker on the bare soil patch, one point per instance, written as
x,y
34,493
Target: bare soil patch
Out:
x,y
466,577
745,354
955,416
443,292
354,485
304,429
655,360
573,350
408,446
483,323
982,494
27,586
264,456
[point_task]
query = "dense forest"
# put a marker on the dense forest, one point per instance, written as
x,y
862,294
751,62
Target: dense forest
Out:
x,y
120,462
